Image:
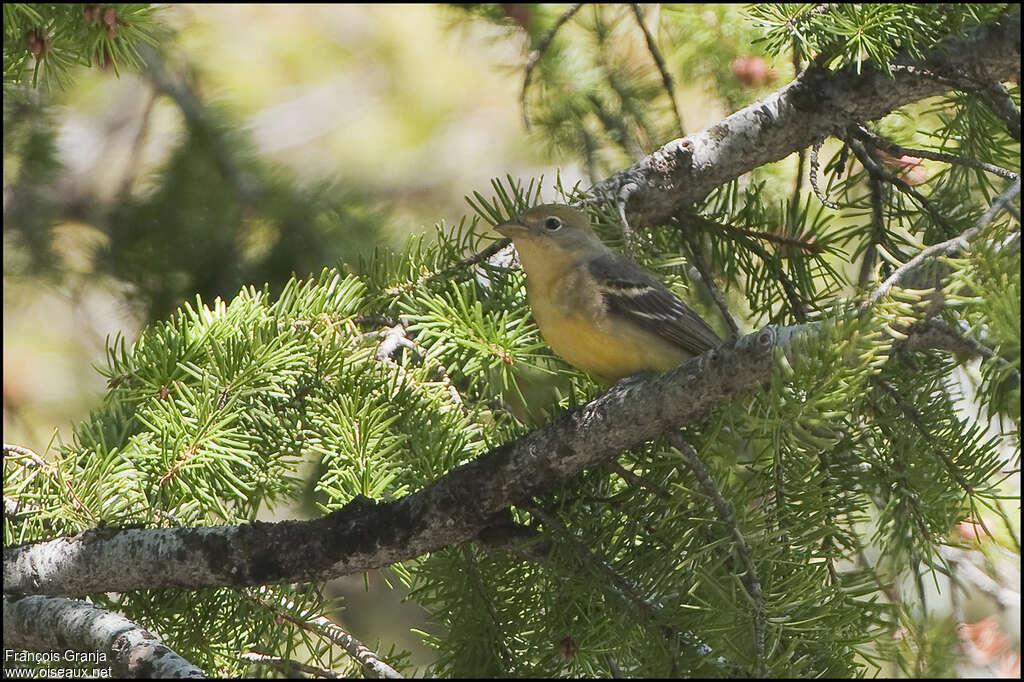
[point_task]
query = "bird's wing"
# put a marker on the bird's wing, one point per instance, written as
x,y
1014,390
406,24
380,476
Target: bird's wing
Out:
x,y
632,293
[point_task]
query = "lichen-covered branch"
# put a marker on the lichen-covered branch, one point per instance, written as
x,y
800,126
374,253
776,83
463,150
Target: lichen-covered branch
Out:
x,y
816,104
49,624
366,534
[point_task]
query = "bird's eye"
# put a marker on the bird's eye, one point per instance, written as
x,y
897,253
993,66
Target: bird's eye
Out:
x,y
552,224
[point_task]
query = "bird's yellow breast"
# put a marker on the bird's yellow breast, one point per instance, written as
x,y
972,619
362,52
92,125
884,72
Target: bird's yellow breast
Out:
x,y
576,324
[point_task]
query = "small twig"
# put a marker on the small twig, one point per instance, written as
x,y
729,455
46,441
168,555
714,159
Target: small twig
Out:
x,y
1002,596
937,334
246,186
963,643
615,122
13,506
466,262
933,333
666,77
288,666
289,610
890,590
879,236
599,567
781,239
535,56
77,499
801,157
913,415
891,147
627,231
904,491
795,55
1012,210
616,128
53,471
874,168
751,581
394,337
651,613
801,161
1006,522
915,570
828,543
474,573
814,176
589,150
705,274
959,242
25,452
639,481
772,263
134,156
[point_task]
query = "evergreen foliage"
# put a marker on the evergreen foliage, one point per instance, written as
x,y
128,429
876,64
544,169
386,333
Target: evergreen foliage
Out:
x,y
845,476
42,43
232,217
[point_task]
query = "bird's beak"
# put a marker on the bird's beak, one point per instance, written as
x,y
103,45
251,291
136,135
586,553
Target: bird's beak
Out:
x,y
510,229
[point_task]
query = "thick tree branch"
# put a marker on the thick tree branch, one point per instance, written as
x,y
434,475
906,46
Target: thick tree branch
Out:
x,y
50,624
365,534
816,104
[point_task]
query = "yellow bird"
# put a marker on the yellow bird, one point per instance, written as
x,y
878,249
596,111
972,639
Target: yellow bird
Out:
x,y
596,308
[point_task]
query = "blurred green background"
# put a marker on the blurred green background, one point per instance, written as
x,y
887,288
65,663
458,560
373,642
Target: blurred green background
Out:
x,y
328,94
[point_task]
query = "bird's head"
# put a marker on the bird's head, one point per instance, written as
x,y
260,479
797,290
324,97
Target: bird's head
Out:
x,y
551,231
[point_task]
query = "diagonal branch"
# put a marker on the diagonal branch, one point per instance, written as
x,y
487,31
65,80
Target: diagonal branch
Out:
x,y
816,104
999,101
587,558
898,150
748,240
366,534
288,610
709,282
751,580
961,241
878,173
879,234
